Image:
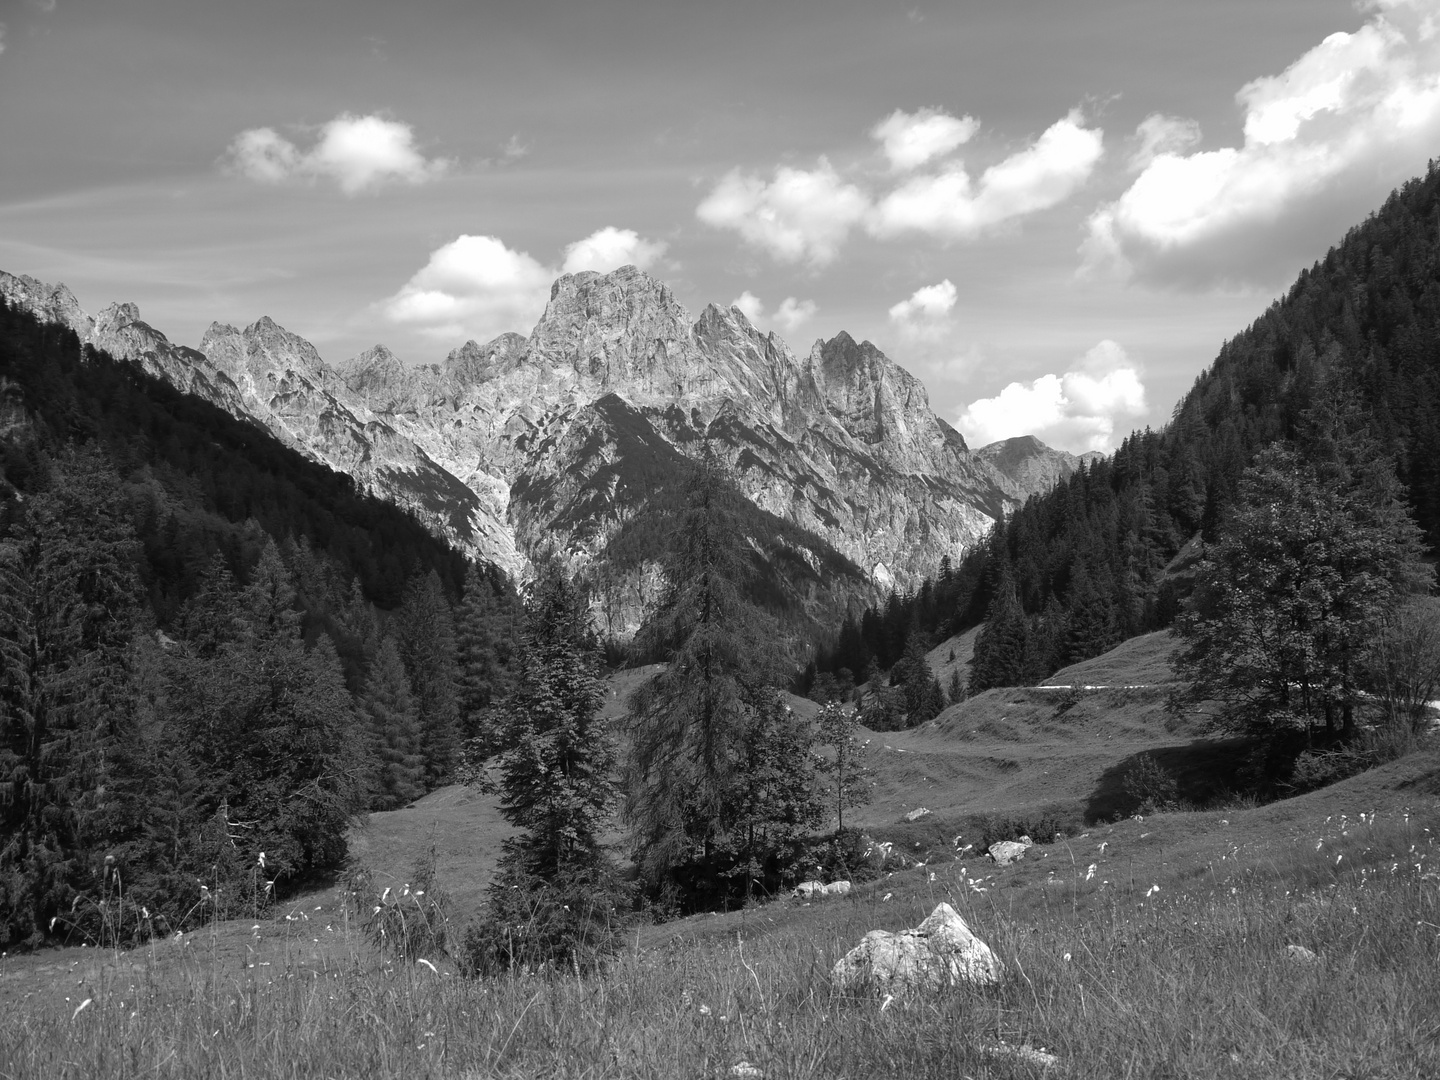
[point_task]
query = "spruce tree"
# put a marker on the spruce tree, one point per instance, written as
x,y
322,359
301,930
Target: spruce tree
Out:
x,y
999,658
398,769
68,606
558,782
427,645
483,622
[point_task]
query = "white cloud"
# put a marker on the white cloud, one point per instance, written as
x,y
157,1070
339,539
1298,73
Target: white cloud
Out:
x,y
1084,409
912,139
925,316
750,305
358,153
793,313
610,248
790,315
798,216
475,287
1325,139
1160,134
949,204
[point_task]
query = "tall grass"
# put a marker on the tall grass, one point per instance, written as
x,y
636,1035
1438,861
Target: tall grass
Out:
x,y
1117,977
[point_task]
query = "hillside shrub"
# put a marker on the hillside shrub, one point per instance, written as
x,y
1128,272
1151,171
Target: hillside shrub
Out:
x,y
571,923
1151,786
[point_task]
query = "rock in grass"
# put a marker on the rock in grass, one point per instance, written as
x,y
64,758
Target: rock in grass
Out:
x,y
939,953
1028,1054
746,1069
917,814
1300,954
808,890
1004,852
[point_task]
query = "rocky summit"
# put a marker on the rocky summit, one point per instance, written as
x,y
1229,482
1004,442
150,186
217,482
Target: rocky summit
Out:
x,y
566,439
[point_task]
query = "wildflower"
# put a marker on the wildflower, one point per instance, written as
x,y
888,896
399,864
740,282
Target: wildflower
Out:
x,y
80,1008
1090,871
261,861
704,1010
886,898
428,964
1152,891
1066,958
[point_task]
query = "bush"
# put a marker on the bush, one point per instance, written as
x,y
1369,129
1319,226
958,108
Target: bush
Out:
x,y
1042,827
572,923
1151,786
408,923
846,856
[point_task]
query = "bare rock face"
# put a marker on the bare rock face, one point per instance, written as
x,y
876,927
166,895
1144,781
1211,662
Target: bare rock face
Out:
x,y
939,953
1031,466
566,438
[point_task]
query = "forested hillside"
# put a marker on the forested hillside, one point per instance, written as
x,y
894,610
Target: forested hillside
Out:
x,y
1103,556
213,652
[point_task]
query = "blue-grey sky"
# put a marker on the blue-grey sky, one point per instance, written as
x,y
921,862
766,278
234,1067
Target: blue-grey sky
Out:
x,y
1052,211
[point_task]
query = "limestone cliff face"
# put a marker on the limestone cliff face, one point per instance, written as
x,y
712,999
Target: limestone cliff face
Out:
x,y
562,440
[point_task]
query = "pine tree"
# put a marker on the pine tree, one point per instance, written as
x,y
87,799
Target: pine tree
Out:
x,y
427,645
398,771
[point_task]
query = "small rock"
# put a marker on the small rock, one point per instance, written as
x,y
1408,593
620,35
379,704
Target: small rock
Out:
x,y
916,814
1300,954
1004,852
940,952
745,1068
1027,1054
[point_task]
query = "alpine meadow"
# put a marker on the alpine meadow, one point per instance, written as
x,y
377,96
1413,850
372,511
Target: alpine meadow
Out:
x,y
631,693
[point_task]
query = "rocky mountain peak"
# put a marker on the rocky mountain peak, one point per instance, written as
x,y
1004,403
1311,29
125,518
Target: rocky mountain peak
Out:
x,y
1029,464
52,303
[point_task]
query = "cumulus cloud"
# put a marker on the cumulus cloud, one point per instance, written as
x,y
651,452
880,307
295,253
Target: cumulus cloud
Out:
x,y
925,316
794,313
1160,134
1087,408
951,205
610,248
910,140
1323,140
476,286
358,153
799,215
790,315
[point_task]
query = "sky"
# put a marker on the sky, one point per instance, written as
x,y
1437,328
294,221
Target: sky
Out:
x,y
1051,211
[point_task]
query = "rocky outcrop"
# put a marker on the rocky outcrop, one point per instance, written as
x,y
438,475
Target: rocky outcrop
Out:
x,y
566,438
939,953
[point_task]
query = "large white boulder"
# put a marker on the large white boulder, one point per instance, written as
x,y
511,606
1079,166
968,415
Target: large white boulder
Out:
x,y
940,952
1004,852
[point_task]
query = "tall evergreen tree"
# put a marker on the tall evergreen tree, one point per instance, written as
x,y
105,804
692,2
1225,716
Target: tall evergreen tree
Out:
x,y
427,645
398,769
690,723
68,607
999,658
484,623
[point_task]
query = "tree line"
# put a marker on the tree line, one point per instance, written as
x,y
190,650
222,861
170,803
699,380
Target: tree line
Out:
x,y
1112,551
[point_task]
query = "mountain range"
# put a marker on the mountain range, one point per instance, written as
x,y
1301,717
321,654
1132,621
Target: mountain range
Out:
x,y
567,439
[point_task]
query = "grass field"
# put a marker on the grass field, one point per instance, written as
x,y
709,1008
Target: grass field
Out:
x,y
1153,947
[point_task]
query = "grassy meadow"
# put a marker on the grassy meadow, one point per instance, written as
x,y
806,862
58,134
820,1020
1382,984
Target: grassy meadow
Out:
x,y
1155,947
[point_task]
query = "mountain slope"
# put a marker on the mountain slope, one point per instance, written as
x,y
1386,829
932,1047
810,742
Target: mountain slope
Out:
x,y
558,439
